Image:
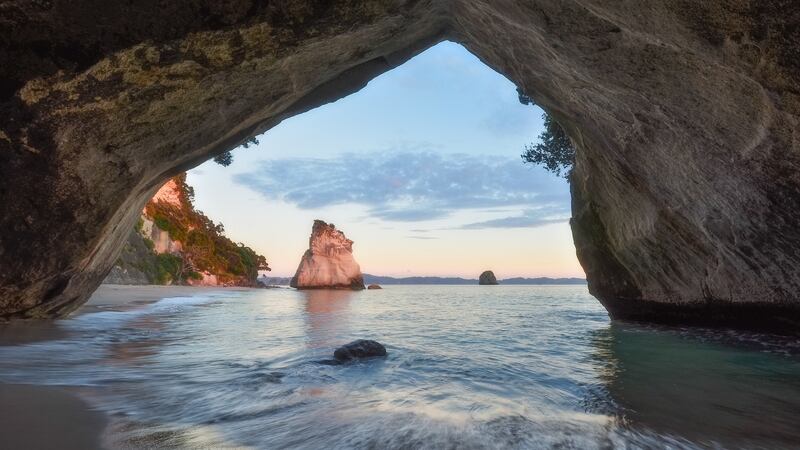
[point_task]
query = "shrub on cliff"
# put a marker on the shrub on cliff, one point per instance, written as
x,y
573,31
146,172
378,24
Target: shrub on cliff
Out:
x,y
205,248
554,151
226,159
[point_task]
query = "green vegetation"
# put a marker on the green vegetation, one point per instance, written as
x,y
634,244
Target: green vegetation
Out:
x,y
168,268
205,247
226,159
149,243
554,151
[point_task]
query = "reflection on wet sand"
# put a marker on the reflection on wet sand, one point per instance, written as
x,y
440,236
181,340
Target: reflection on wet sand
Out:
x,y
684,385
26,332
327,316
146,337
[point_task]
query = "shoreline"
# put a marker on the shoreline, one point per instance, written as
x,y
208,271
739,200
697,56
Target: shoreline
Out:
x,y
125,297
44,417
108,297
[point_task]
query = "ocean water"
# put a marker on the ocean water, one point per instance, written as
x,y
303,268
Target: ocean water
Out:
x,y
469,367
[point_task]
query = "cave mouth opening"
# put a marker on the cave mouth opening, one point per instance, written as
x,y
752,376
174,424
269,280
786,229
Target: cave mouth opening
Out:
x,y
685,128
425,159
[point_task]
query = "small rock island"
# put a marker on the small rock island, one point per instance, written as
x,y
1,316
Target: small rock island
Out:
x,y
328,263
487,278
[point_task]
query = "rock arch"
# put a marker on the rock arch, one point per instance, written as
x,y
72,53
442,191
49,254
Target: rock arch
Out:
x,y
686,196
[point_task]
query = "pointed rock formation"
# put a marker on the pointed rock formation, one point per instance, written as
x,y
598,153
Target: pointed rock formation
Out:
x,y
328,263
487,278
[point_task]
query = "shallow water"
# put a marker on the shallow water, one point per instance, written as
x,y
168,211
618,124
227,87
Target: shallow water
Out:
x,y
468,367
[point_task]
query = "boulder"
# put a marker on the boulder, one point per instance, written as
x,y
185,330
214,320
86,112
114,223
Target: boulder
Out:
x,y
328,263
374,286
487,278
362,348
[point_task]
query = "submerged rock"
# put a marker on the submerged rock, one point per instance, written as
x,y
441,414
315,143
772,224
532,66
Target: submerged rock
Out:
x,y
362,348
328,263
374,286
487,278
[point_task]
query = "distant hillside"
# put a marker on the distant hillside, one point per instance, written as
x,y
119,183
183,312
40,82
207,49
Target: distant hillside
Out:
x,y
173,243
376,279
543,280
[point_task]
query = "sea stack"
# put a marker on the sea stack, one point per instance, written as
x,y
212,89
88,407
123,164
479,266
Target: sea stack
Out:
x,y
328,263
487,278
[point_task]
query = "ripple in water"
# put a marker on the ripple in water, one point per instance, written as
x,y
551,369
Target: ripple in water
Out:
x,y
468,368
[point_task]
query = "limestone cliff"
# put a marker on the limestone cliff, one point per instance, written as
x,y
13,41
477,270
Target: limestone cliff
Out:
x,y
685,115
174,244
328,263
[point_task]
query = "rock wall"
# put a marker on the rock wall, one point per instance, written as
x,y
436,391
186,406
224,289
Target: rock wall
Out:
x,y
686,190
132,265
328,263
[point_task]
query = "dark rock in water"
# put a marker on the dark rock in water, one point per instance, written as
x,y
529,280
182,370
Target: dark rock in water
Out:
x,y
272,377
374,286
361,348
487,278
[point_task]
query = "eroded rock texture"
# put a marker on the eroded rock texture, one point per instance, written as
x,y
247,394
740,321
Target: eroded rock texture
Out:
x,y
328,263
686,191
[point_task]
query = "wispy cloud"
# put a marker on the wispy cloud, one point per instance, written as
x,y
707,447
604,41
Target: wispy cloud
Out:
x,y
415,186
529,219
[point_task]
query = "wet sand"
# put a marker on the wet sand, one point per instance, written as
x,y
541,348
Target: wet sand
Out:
x,y
114,297
45,417
108,297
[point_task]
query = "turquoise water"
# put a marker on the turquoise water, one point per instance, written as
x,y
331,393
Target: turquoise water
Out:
x,y
468,367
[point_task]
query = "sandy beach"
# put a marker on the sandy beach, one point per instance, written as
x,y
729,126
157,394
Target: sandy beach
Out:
x,y
114,297
45,417
41,417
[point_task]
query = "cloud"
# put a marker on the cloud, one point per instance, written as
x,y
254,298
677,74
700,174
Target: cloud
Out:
x,y
529,219
410,186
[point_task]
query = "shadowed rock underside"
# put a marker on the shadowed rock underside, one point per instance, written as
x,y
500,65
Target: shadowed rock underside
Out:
x,y
686,188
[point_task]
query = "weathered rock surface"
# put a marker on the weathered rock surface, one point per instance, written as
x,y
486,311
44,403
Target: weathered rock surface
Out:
x,y
362,348
152,254
374,286
328,263
128,269
686,189
487,278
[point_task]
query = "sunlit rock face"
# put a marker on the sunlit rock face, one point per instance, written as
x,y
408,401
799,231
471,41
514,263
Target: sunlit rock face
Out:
x,y
328,263
168,193
686,190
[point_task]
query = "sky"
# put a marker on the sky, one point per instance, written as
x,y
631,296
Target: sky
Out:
x,y
421,169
